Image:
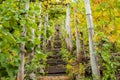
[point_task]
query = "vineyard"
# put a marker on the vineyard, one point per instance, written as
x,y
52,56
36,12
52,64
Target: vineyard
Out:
x,y
59,39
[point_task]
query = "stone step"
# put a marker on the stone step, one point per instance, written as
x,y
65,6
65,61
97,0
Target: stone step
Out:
x,y
56,50
55,69
48,50
57,38
55,56
57,42
57,74
55,61
54,78
57,46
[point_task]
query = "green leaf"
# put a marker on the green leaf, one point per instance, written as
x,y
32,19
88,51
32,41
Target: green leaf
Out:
x,y
36,41
39,54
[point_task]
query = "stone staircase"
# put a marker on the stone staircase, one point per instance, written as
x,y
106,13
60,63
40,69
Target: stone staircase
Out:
x,y
55,68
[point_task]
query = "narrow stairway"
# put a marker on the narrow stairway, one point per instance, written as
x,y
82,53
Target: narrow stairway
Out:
x,y
55,69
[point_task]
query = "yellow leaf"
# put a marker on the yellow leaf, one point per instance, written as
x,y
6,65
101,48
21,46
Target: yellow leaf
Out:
x,y
96,48
118,30
45,2
116,12
73,30
0,25
71,24
67,1
1,35
105,13
16,33
112,38
110,28
52,1
79,15
97,14
69,67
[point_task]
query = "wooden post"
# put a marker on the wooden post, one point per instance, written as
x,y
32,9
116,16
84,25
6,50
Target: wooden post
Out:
x,y
78,45
20,75
93,60
39,26
68,29
32,38
45,32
